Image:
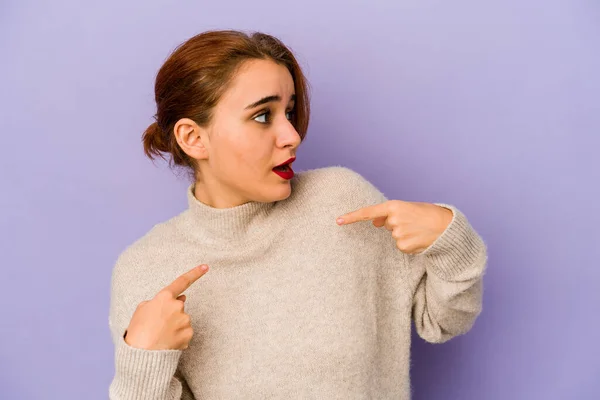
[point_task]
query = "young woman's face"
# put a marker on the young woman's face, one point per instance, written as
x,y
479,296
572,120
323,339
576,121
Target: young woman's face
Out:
x,y
251,133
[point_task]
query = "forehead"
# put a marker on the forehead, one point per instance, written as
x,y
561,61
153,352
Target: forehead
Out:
x,y
257,79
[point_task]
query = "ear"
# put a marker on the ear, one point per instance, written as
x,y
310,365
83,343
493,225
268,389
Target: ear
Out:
x,y
191,138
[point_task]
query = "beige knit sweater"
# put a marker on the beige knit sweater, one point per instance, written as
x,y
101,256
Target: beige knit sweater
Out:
x,y
293,305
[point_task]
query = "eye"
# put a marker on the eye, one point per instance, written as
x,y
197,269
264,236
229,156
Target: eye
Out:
x,y
289,115
263,118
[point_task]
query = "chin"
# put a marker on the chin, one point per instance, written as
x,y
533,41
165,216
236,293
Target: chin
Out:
x,y
277,193
283,192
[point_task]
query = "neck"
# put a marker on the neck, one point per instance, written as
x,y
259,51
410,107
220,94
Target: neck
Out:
x,y
216,194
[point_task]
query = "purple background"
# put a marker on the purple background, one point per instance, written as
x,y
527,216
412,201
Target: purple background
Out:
x,y
493,107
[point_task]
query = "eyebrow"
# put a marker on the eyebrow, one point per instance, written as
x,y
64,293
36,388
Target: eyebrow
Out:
x,y
268,99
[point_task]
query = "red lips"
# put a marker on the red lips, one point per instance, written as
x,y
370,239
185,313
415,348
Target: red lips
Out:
x,y
284,170
291,160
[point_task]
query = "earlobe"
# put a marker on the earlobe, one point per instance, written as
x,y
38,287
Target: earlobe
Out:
x,y
190,138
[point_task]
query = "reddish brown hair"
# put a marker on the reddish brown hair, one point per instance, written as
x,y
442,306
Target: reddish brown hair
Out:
x,y
198,72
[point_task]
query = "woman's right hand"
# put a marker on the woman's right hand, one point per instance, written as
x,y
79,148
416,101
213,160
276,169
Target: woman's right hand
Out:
x,y
161,323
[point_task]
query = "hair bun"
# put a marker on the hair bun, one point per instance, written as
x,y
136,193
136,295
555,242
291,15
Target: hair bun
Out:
x,y
154,141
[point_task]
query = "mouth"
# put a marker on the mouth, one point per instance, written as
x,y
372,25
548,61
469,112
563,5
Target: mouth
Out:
x,y
285,170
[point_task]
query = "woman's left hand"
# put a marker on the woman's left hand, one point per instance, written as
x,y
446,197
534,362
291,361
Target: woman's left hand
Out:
x,y
414,225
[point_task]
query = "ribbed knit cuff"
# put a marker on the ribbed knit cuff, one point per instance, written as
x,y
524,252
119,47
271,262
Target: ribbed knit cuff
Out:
x,y
457,248
144,374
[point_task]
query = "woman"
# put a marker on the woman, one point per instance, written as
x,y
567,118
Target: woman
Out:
x,y
305,297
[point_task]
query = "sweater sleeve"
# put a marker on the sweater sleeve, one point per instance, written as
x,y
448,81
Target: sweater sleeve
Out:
x,y
139,373
145,374
446,280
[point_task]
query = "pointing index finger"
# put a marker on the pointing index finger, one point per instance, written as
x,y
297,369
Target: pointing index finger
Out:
x,y
364,214
186,280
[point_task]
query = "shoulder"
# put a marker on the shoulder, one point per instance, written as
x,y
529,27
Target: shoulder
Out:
x,y
139,268
339,185
151,245
331,174
327,193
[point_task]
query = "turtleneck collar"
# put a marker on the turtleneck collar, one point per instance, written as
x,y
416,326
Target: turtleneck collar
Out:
x,y
245,221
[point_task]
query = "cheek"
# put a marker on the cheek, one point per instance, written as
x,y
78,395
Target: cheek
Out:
x,y
245,157
256,159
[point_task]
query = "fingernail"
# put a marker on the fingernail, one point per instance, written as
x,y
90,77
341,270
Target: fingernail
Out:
x,y
339,221
203,267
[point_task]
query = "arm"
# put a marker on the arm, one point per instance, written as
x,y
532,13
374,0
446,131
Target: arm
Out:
x,y
144,374
444,267
139,373
446,280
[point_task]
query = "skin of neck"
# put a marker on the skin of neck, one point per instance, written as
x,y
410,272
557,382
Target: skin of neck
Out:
x,y
215,193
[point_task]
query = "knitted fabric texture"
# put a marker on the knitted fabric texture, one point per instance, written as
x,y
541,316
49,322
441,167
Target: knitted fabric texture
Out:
x,y
293,305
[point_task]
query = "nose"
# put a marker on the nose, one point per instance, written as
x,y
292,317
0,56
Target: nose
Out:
x,y
287,136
